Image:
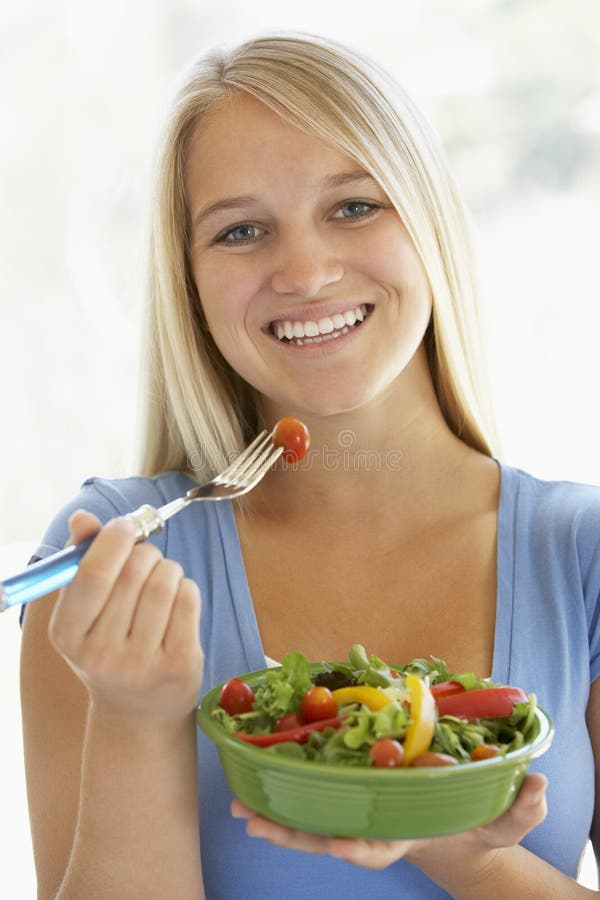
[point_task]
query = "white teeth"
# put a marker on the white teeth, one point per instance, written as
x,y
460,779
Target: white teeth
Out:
x,y
321,338
314,332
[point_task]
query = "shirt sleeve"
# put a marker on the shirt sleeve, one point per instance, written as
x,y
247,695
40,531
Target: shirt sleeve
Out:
x,y
92,499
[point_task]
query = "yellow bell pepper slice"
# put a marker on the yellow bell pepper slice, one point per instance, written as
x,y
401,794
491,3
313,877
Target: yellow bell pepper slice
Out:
x,y
422,714
361,693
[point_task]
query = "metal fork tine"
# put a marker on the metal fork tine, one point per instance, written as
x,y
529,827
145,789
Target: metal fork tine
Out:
x,y
266,458
250,466
245,458
253,479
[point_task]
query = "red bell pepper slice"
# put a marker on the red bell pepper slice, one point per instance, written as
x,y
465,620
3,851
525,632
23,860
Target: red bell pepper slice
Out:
x,y
297,735
482,703
446,689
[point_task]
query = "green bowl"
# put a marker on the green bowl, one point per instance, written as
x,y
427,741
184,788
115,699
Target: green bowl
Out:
x,y
348,801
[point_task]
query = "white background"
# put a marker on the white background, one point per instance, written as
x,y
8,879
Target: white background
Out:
x,y
514,89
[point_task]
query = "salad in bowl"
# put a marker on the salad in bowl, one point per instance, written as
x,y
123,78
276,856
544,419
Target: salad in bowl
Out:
x,y
368,749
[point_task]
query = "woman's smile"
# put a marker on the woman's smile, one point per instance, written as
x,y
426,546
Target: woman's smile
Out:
x,y
301,332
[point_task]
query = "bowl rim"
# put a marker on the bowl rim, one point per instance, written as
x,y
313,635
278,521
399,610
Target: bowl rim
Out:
x,y
275,761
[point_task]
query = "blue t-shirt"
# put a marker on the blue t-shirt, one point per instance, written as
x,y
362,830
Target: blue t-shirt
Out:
x,y
547,640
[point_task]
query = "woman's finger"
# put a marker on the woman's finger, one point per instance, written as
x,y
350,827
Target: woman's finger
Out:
x,y
371,854
239,810
182,635
528,811
153,610
82,525
290,838
116,619
81,602
280,835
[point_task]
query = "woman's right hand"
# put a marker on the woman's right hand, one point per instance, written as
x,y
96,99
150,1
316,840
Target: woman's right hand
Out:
x,y
128,625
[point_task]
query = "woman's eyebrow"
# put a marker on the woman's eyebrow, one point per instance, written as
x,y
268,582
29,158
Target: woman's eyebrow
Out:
x,y
343,178
329,182
226,203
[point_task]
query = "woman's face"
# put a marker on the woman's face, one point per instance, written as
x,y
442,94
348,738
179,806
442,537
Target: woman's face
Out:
x,y
309,282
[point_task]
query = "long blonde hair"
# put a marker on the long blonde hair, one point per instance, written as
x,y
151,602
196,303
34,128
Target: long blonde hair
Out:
x,y
197,411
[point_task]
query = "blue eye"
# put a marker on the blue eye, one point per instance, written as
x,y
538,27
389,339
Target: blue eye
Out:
x,y
240,234
356,209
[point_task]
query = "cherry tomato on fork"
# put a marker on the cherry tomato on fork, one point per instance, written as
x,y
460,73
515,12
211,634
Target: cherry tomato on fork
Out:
x,y
293,436
236,697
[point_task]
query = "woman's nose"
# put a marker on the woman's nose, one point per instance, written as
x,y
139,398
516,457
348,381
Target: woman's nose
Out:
x,y
306,270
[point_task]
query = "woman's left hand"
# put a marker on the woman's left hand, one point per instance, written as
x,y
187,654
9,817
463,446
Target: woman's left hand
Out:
x,y
474,849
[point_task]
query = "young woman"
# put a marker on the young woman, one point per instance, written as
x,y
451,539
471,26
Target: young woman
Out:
x,y
310,257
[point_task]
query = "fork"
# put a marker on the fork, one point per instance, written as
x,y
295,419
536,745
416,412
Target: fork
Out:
x,y
55,571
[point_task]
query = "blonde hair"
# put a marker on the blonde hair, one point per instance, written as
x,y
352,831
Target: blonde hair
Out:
x,y
197,411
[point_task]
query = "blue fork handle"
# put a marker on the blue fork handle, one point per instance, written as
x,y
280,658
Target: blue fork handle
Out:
x,y
42,577
49,574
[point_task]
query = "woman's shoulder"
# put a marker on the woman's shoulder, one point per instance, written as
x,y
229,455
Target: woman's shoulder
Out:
x,y
110,497
570,497
125,494
552,509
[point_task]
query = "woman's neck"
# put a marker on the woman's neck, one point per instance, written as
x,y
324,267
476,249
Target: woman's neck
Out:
x,y
396,453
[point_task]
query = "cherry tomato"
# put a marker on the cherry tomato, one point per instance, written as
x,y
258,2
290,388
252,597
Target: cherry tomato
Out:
x,y
484,751
293,436
387,754
287,723
434,759
236,697
318,703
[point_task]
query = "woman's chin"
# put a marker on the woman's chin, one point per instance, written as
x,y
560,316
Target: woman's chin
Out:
x,y
322,404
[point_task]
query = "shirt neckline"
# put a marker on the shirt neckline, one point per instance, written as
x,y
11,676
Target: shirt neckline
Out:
x,y
505,570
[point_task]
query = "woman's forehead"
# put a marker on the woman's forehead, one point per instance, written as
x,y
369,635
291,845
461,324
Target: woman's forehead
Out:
x,y
244,123
243,145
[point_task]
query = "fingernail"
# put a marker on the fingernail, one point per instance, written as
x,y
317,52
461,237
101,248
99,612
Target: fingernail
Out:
x,y
124,525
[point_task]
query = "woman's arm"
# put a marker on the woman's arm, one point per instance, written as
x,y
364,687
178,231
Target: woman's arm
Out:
x,y
109,733
593,723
